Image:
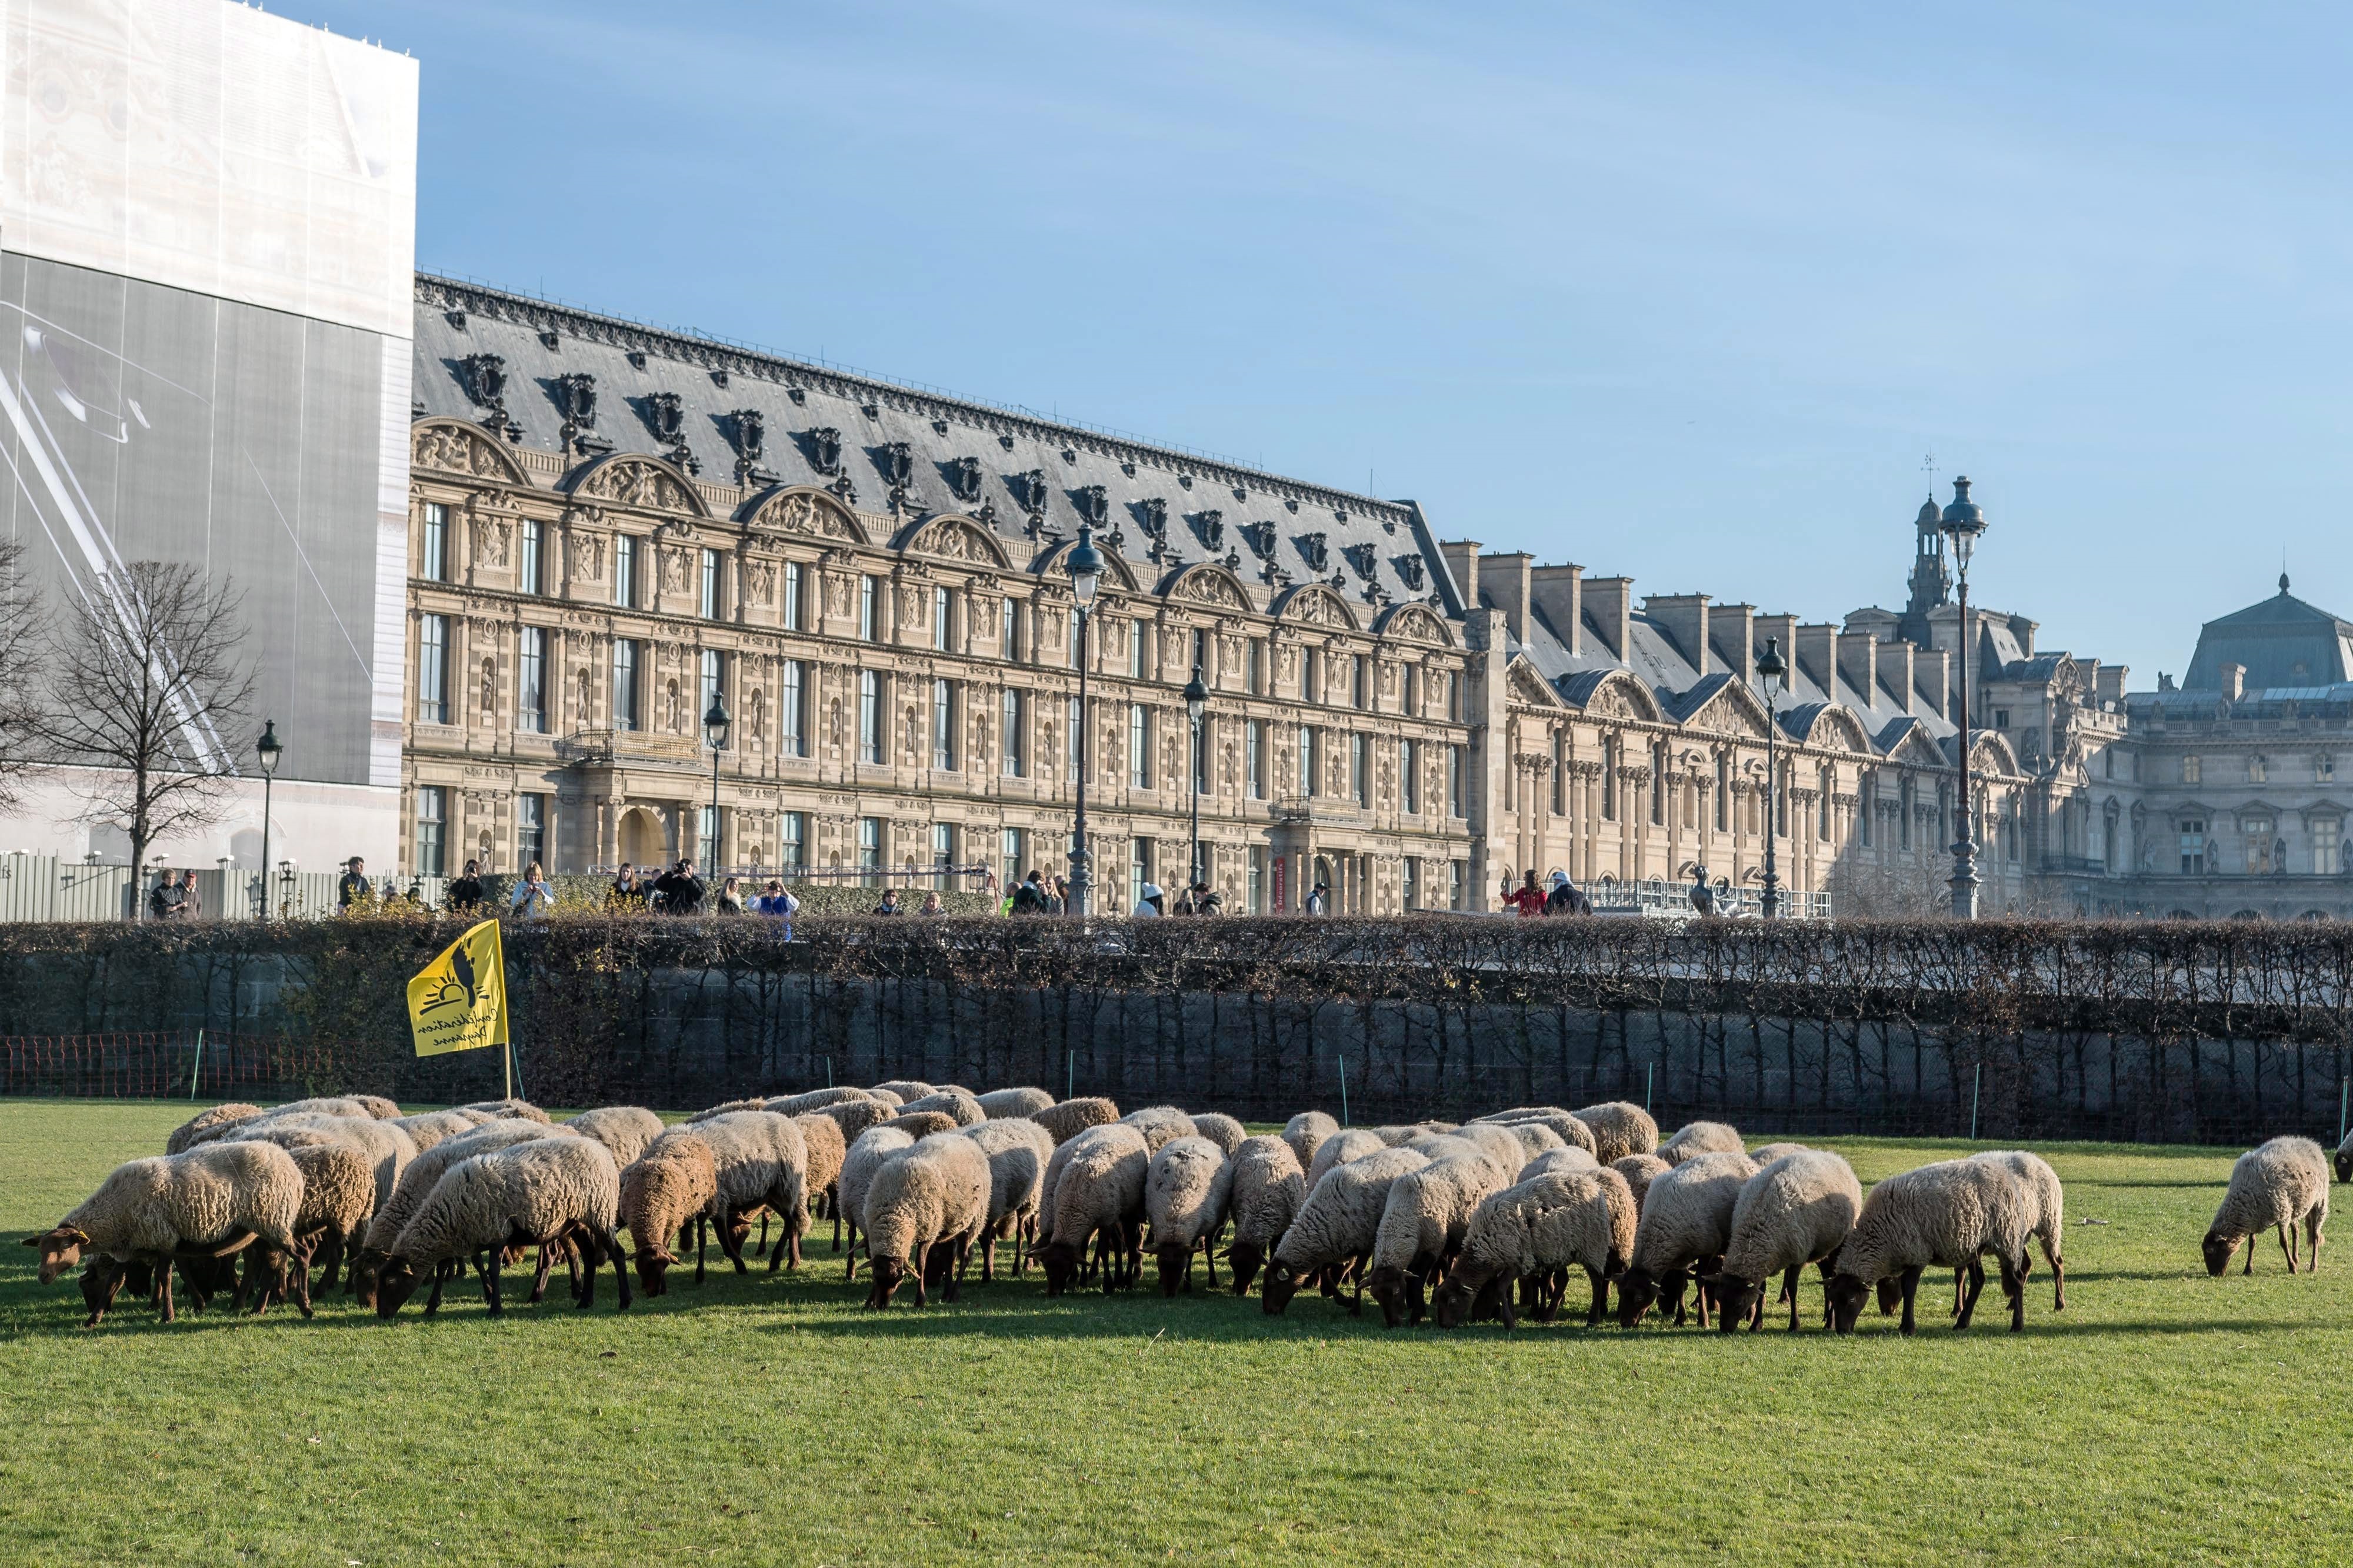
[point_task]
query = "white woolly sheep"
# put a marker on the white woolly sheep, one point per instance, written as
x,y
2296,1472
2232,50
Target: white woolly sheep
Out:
x,y
1067,1118
1686,1223
826,1148
147,1211
956,1103
417,1182
921,1125
1795,1211
1620,1127
1500,1144
1436,1146
907,1089
1018,1150
2049,1212
1537,1138
2274,1186
674,1184
1337,1227
1098,1194
889,1097
815,1100
1946,1215
338,1199
1269,1186
1640,1171
1160,1124
386,1144
626,1129
727,1108
924,1212
1533,1232
1218,1128
1520,1112
509,1110
1558,1162
763,1164
550,1192
1002,1102
1700,1138
1766,1153
432,1127
1348,1143
1567,1129
207,1125
866,1154
1306,1133
852,1116
1188,1190
1423,1221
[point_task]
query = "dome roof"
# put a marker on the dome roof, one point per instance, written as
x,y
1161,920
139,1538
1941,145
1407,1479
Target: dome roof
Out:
x,y
2281,641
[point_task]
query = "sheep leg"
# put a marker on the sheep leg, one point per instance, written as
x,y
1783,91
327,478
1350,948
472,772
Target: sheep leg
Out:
x,y
1699,1302
2014,1286
163,1289
612,1247
488,1265
763,1250
1911,1291
988,1257
794,1240
1111,1244
1600,1299
1788,1294
836,1206
2251,1256
2287,1229
2312,1239
546,1270
1209,1261
954,1289
1976,1285
1504,1309
730,1241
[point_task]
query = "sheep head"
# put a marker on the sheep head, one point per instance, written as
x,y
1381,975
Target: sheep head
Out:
x,y
653,1269
888,1274
2344,1164
1847,1295
1245,1258
1060,1261
1736,1299
2219,1246
1638,1291
1283,1283
1388,1285
363,1275
61,1249
1452,1303
395,1281
1172,1262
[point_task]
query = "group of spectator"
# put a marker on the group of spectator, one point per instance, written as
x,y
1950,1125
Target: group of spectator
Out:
x,y
1564,898
174,898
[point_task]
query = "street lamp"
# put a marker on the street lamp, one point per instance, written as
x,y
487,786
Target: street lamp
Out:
x,y
269,751
1197,697
1775,675
1964,521
715,725
1086,565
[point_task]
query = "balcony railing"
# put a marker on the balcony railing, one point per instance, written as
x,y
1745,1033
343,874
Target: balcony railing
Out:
x,y
631,746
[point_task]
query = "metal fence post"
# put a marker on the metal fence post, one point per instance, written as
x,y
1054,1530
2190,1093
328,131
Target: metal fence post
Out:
x,y
1975,1088
1344,1090
1070,1078
2344,1093
197,1072
1650,1075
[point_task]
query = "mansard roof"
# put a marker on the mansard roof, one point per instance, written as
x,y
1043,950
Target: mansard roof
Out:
x,y
2281,641
999,465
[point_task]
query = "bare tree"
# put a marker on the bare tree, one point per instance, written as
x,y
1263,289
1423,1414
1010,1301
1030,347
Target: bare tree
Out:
x,y
21,627
149,670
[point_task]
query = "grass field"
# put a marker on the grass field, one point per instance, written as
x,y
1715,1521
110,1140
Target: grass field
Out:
x,y
2165,1417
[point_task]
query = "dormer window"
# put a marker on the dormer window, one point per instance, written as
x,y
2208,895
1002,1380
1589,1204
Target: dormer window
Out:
x,y
2193,769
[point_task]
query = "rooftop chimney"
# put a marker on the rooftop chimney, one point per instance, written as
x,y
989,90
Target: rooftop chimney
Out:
x,y
1858,658
1610,605
1557,592
1462,560
1817,648
1504,578
1732,632
1932,677
1895,658
1684,617
2234,682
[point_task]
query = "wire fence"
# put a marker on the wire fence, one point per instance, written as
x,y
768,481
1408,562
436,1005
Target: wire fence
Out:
x,y
177,1065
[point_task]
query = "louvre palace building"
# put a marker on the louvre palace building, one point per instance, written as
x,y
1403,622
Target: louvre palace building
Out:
x,y
611,526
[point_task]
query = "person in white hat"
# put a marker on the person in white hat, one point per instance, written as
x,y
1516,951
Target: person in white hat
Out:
x,y
1148,907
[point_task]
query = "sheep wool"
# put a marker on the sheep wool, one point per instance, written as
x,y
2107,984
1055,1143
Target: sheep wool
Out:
x,y
1348,1144
1188,1190
1798,1210
440,1126
1572,1132
1766,1153
921,1125
1560,1161
2049,1211
815,1100
671,1185
1097,1190
509,1110
1500,1145
1436,1146
1306,1133
1160,1124
763,1164
1700,1138
338,1198
1339,1222
957,1104
386,1144
1067,1118
626,1129
821,1139
207,1125
934,1196
1686,1216
1640,1171
1423,1221
728,1107
1018,1150
1218,1128
853,1116
907,1089
147,1208
867,1155
1620,1128
1269,1186
889,1097
1946,1215
1002,1102
417,1182
538,1192
2344,1158
2273,1187
1538,1227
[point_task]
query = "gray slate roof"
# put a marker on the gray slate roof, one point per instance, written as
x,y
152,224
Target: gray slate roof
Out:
x,y
2283,642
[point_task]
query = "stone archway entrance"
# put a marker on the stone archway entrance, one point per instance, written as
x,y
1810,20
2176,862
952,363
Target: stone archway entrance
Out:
x,y
643,840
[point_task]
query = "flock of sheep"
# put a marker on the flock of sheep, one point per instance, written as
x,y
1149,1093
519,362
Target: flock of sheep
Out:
x,y
1483,1219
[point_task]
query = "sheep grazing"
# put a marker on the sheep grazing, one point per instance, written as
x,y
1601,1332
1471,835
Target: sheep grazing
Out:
x,y
1499,1144
728,1107
1018,1150
924,1212
417,1182
1640,1171
1349,1143
1535,1139
2273,1187
1436,1146
821,1137
1268,1187
907,1089
207,1125
438,1126
1337,1225
1396,1136
1218,1128
387,1146
1521,1112
1536,1231
1422,1224
852,1116
1098,1196
955,1103
890,1097
1306,1133
509,1110
815,1100
2049,1211
673,1184
338,1199
552,1193
1766,1153
1700,1138
1188,1189
2344,1158
867,1155
147,1211
1160,1124
1004,1102
1685,1224
1946,1215
1619,1128
763,1163
1067,1118
1557,1161
1795,1211
920,1124
1572,1132
626,1129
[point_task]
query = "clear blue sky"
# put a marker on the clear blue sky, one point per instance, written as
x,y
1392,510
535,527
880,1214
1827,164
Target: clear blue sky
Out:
x,y
1685,292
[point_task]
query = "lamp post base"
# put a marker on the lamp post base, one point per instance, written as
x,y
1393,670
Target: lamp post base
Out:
x,y
1965,882
1082,882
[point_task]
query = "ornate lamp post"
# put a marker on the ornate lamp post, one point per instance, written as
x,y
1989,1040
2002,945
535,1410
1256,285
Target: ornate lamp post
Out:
x,y
1085,563
1196,697
716,722
269,751
1964,521
1774,674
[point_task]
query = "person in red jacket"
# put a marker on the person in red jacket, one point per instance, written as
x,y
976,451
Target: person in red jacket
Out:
x,y
1529,898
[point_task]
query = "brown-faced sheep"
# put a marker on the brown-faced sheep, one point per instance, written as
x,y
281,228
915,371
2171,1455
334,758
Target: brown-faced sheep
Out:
x,y
389,1147
1336,1226
1098,1194
2049,1212
338,1199
416,1181
821,1136
1536,1231
1620,1127
1269,1186
866,1154
1018,1150
1069,1118
672,1186
1795,1211
763,1162
1422,1225
924,1212
2274,1186
562,1193
1188,1190
1946,1214
1686,1223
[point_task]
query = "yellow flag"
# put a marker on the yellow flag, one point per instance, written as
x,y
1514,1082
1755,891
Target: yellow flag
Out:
x,y
459,1002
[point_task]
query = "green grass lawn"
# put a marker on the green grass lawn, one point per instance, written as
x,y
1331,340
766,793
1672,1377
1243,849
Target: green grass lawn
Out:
x,y
2165,1417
